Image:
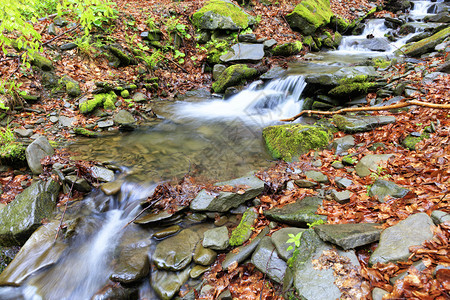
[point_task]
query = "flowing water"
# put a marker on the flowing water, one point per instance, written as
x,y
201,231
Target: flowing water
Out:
x,y
211,138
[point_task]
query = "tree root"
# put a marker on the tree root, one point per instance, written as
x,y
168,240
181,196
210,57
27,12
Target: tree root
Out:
x,y
373,108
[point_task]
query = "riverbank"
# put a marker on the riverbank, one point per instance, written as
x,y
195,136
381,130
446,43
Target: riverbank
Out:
x,y
345,183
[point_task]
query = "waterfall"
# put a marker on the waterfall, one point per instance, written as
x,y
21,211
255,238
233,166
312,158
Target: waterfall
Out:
x,y
279,98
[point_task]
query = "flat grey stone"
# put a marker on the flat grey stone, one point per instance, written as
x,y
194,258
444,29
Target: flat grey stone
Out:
x,y
383,188
79,184
298,213
66,121
342,182
216,239
139,97
102,174
36,151
23,132
341,197
317,176
124,117
303,183
362,123
396,240
343,144
244,52
370,163
440,216
275,72
166,284
105,124
279,239
269,43
349,236
243,251
266,259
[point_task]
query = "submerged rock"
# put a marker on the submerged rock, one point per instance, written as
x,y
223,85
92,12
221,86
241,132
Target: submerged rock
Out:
x,y
24,215
349,236
298,213
396,240
291,140
265,258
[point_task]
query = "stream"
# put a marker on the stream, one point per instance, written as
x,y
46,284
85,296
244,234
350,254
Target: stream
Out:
x,y
211,138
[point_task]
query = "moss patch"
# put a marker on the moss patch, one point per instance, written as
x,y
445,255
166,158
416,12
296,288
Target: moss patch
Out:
x,y
287,49
244,230
85,132
352,86
411,141
425,45
309,15
233,75
226,9
106,99
287,141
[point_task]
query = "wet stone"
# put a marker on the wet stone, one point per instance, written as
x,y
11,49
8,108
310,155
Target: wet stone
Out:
x,y
198,271
79,184
349,236
341,197
166,284
167,232
36,151
175,253
370,163
383,188
342,182
216,239
204,256
418,265
111,188
279,239
395,241
157,217
343,144
298,213
440,216
266,259
102,174
362,123
317,176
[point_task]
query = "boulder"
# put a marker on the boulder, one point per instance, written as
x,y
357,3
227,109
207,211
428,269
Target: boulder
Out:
x,y
396,240
223,15
36,151
298,213
280,238
71,86
244,52
370,163
166,284
343,144
266,259
291,140
349,236
39,251
355,124
234,75
309,15
287,49
41,62
426,45
382,188
175,253
375,44
123,117
216,239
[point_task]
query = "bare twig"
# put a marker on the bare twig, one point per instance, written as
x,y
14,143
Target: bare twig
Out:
x,y
60,35
65,209
142,211
373,108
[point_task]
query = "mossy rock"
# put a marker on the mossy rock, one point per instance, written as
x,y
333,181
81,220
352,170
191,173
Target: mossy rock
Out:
x,y
311,43
85,132
124,58
41,62
234,75
12,154
309,15
410,141
425,45
71,86
332,41
223,15
287,49
106,99
244,230
352,86
287,141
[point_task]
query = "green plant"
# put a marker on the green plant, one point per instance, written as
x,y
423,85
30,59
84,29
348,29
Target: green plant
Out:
x,y
294,239
9,88
180,56
10,149
174,25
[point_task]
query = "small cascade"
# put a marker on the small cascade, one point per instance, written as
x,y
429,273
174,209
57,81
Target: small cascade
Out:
x,y
279,98
421,9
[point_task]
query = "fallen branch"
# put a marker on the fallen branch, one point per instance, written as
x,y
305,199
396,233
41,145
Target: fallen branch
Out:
x,y
60,35
372,108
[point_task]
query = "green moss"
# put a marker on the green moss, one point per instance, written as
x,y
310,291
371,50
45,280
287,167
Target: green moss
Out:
x,y
425,45
309,41
106,99
287,49
233,75
244,230
351,86
381,63
12,152
310,15
110,99
287,141
215,50
125,93
349,160
411,141
85,132
341,121
226,9
41,62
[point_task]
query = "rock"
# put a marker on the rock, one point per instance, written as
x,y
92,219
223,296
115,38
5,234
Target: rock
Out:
x,y
445,67
291,140
218,70
343,144
139,97
79,184
349,236
102,174
123,117
298,213
303,183
166,284
412,139
175,253
216,239
426,45
105,124
287,49
124,58
223,15
198,271
382,188
377,293
350,72
116,292
244,251
279,239
341,197
68,46
36,151
105,99
244,230
342,182
269,44
370,163
224,201
275,72
66,121
244,52
418,265
85,132
233,75
131,262
204,256
361,123
440,217
317,176
311,282
154,35
23,132
111,188
71,86
39,251
396,240
375,44
51,29
309,15
171,230
337,165
265,258
225,295
247,38
41,62
157,217
441,17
